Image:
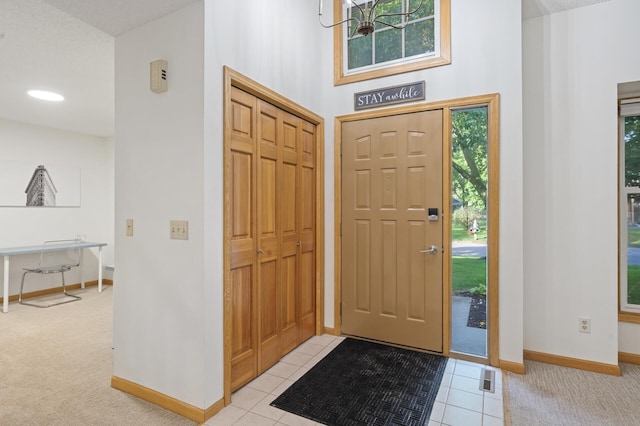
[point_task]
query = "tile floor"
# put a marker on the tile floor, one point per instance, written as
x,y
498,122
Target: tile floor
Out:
x,y
459,401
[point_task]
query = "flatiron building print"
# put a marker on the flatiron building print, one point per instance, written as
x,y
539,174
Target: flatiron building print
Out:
x,y
41,191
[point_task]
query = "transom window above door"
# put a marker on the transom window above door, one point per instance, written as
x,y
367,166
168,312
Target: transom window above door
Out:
x,y
399,42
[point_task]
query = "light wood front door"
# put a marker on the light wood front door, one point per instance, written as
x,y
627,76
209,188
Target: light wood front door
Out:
x,y
391,280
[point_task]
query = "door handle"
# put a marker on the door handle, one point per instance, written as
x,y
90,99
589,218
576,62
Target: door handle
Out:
x,y
260,251
432,250
299,243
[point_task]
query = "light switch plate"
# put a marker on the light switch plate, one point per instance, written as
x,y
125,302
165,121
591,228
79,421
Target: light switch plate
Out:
x,y
179,230
129,231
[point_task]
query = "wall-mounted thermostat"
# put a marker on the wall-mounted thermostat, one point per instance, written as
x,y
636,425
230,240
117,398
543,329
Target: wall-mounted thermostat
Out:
x,y
159,76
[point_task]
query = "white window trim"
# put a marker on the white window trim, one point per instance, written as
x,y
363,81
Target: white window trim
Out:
x,y
623,219
388,64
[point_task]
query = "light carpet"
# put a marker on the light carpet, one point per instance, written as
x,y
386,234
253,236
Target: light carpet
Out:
x,y
56,368
553,395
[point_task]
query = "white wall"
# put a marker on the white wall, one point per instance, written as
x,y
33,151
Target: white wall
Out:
x,y
573,62
158,301
486,58
169,165
25,143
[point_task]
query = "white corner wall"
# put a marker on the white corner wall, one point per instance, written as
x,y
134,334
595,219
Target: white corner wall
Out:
x,y
168,303
26,143
571,72
159,325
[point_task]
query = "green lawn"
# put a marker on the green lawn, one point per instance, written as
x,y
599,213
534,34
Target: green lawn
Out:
x,y
633,236
633,284
460,233
467,272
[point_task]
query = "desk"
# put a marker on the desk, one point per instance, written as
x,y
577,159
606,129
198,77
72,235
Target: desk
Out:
x,y
14,251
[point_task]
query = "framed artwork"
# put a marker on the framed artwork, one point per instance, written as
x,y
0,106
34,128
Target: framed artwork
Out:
x,y
39,184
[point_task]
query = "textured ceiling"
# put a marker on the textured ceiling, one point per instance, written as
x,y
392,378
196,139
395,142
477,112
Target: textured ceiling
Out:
x,y
67,46
118,16
44,48
535,8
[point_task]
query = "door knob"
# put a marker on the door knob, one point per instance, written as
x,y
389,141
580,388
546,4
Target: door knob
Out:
x,y
432,250
260,251
299,243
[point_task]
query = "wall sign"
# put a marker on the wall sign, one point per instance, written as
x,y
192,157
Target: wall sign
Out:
x,y
389,96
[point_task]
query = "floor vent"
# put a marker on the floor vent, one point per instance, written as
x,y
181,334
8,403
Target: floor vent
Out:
x,y
488,380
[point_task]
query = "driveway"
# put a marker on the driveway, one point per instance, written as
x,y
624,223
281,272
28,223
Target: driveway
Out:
x,y
633,256
469,248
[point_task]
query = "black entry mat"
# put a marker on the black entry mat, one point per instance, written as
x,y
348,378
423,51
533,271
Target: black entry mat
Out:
x,y
364,383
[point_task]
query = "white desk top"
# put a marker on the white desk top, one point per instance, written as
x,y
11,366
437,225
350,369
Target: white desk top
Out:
x,y
11,251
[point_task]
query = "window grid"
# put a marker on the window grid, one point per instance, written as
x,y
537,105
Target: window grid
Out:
x,y
376,65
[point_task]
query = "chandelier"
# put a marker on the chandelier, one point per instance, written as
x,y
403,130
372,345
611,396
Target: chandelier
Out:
x,y
364,23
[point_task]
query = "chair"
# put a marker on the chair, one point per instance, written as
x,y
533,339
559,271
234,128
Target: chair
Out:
x,y
57,256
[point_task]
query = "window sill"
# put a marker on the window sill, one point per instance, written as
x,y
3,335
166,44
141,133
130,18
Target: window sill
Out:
x,y
628,317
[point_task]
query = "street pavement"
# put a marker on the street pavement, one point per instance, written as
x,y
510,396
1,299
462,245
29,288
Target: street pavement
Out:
x,y
470,248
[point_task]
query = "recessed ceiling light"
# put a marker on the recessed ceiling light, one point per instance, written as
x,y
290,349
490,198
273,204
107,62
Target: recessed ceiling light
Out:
x,y
46,96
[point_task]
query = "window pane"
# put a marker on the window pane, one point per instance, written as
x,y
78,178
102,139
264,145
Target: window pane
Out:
x,y
426,9
388,45
419,38
633,249
632,151
360,52
388,7
469,226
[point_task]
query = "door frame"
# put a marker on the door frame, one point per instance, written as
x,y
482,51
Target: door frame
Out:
x,y
492,102
233,78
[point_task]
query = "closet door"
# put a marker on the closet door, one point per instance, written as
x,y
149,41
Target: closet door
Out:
x,y
307,220
272,231
241,233
290,213
269,253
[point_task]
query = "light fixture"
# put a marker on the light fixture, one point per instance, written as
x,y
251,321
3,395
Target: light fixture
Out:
x,y
368,16
45,96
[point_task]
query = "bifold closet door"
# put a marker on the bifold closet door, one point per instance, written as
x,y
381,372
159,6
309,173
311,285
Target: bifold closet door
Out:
x,y
290,212
242,202
307,226
273,176
269,197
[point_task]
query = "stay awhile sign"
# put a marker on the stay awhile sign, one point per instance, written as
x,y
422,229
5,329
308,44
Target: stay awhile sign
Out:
x,y
389,95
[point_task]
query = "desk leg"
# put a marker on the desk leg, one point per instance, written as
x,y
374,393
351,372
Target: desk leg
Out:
x,y
99,269
5,286
82,268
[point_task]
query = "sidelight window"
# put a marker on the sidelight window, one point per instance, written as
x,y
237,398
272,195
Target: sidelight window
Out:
x,y
629,147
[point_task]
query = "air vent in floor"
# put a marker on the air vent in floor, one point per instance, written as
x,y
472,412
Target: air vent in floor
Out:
x,y
487,380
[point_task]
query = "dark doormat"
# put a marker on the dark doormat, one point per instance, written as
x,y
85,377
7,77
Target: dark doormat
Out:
x,y
364,383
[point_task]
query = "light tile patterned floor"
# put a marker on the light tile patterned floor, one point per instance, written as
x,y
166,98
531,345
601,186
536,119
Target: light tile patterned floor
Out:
x,y
459,401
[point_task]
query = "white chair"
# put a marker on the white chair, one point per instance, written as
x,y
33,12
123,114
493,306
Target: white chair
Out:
x,y
57,256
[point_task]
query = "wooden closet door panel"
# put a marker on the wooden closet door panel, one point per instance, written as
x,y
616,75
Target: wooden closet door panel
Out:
x,y
289,212
268,231
244,348
307,226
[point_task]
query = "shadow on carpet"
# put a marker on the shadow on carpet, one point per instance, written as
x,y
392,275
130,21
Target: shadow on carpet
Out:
x,y
362,383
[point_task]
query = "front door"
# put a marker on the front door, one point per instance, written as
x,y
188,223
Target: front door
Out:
x,y
392,229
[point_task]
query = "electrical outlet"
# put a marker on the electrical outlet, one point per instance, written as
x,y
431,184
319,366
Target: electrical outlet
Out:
x,y
129,227
584,325
179,230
